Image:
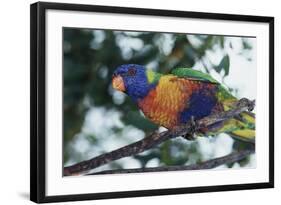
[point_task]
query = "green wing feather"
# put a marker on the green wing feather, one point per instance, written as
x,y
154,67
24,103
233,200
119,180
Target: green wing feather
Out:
x,y
193,74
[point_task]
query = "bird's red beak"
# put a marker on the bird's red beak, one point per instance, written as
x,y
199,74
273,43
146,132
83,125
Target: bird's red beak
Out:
x,y
118,83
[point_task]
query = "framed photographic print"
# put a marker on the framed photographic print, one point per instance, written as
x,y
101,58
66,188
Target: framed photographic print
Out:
x,y
129,102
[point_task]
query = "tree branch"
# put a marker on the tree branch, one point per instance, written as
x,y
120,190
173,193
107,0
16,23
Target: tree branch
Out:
x,y
231,158
155,139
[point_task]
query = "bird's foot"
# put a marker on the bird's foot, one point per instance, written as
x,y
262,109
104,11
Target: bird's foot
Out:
x,y
246,102
251,105
190,137
193,128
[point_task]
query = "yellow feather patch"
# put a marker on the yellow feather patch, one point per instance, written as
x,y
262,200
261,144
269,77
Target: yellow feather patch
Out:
x,y
248,118
246,133
150,75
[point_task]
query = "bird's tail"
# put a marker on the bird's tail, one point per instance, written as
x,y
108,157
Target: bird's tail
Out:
x,y
242,127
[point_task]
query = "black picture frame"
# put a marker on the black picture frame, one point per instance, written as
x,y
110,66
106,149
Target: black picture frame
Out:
x,y
38,100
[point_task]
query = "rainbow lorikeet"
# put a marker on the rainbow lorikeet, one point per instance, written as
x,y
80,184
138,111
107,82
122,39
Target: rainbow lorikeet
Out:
x,y
184,94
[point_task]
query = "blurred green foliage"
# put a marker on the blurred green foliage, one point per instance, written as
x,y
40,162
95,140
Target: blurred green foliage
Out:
x,y
91,56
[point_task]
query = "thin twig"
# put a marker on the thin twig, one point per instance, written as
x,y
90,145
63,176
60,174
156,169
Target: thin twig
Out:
x,y
231,158
155,139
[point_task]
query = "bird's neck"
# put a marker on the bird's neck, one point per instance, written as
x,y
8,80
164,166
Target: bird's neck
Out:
x,y
145,84
152,77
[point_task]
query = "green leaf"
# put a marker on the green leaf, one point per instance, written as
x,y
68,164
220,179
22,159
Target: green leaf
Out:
x,y
223,65
246,45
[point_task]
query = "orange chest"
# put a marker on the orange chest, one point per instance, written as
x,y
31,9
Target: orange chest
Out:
x,y
163,104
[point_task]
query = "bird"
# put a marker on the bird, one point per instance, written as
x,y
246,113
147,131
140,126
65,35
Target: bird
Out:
x,y
184,94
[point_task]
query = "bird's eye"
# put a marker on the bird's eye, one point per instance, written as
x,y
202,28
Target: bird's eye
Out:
x,y
131,72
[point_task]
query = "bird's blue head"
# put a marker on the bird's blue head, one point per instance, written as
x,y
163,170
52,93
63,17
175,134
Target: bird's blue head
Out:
x,y
132,79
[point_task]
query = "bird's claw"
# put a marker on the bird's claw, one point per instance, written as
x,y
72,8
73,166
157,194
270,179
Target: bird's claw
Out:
x,y
251,105
193,128
246,102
